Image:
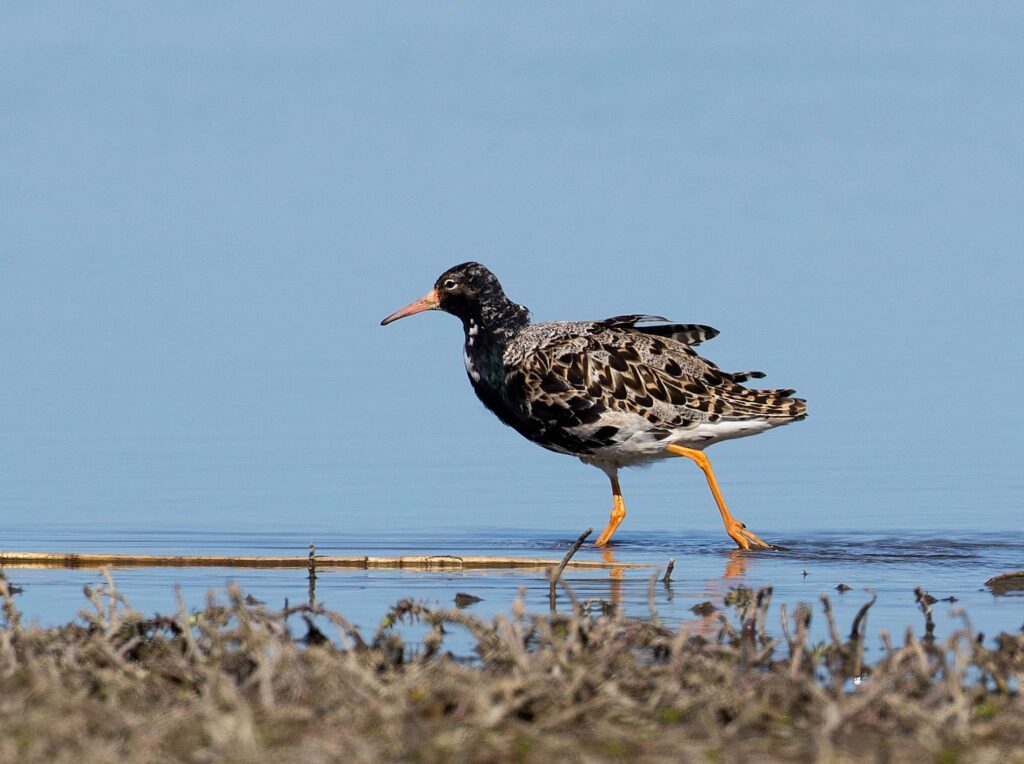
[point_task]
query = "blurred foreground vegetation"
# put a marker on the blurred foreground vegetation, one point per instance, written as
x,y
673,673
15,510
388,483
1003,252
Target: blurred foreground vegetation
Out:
x,y
241,682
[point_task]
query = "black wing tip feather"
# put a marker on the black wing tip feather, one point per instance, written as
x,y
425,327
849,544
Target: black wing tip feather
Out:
x,y
688,334
630,319
743,376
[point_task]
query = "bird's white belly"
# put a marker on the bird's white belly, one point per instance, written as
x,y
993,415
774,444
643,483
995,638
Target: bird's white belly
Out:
x,y
706,433
635,443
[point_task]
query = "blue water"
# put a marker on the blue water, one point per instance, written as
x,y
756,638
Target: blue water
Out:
x,y
204,215
891,565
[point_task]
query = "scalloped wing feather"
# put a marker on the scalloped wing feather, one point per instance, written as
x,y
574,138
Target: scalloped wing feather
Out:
x,y
579,377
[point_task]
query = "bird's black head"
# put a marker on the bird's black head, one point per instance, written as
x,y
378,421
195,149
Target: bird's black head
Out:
x,y
473,294
466,289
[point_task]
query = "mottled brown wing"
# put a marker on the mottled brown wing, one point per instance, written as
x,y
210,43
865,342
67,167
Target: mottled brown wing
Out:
x,y
622,369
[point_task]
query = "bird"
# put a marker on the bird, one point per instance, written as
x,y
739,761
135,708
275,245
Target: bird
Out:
x,y
621,392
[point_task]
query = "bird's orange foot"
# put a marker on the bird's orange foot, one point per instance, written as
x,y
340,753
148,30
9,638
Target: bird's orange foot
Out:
x,y
606,535
746,539
618,515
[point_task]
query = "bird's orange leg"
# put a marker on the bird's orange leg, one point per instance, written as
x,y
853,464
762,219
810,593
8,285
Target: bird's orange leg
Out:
x,y
618,513
737,531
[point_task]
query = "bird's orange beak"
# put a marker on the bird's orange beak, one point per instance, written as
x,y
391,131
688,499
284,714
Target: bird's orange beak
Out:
x,y
429,301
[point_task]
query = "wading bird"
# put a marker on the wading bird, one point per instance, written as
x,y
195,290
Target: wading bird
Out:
x,y
612,393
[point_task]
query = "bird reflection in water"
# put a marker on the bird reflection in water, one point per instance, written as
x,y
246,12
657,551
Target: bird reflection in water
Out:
x,y
714,590
615,575
736,564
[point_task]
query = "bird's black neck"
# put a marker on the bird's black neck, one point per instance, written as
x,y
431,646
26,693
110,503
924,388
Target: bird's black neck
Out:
x,y
499,319
488,332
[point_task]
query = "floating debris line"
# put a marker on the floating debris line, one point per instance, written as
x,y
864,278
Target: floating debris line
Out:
x,y
412,562
1006,582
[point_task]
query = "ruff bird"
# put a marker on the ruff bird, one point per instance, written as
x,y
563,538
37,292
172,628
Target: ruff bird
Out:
x,y
621,392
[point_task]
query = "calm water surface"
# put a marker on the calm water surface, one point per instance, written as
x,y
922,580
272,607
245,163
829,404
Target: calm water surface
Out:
x,y
950,565
192,271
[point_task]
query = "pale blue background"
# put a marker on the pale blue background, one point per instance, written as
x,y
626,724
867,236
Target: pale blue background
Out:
x,y
206,208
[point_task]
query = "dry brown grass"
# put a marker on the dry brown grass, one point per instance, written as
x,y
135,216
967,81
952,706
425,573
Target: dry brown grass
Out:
x,y
231,683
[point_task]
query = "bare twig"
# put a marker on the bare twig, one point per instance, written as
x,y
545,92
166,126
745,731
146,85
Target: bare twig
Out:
x,y
855,630
857,634
10,610
650,596
565,561
832,630
929,623
311,568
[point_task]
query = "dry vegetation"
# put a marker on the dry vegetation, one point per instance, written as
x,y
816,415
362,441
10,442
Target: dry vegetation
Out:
x,y
232,683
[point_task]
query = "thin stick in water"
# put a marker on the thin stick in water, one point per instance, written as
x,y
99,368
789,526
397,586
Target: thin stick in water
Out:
x,y
650,596
311,567
565,561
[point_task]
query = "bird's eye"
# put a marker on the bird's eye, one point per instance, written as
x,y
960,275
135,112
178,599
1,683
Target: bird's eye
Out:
x,y
450,284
